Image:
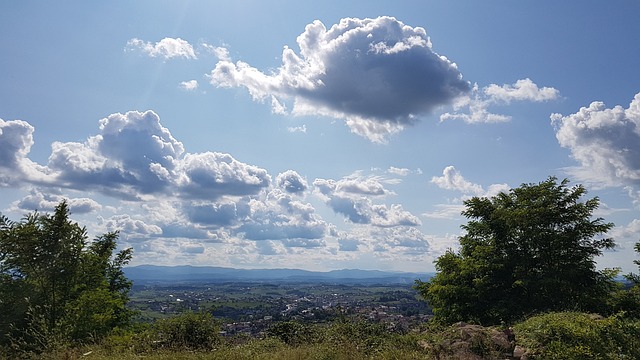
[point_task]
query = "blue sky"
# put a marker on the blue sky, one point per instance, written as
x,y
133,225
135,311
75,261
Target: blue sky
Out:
x,y
322,135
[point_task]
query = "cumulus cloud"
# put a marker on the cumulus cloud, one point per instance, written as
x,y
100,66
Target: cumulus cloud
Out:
x,y
280,217
129,225
291,182
478,102
211,175
378,75
402,243
606,143
190,85
134,155
16,139
167,48
351,197
37,200
452,179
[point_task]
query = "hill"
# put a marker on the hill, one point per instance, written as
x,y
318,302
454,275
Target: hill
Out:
x,y
185,273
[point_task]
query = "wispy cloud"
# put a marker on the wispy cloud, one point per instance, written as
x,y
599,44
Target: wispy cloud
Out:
x,y
167,48
478,102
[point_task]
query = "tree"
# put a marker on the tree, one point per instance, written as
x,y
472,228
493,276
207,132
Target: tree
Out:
x,y
55,282
527,251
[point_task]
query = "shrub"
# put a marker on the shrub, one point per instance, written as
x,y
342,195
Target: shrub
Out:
x,y
189,330
292,333
572,335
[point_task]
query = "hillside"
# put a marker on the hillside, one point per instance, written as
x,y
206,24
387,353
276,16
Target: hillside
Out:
x,y
164,274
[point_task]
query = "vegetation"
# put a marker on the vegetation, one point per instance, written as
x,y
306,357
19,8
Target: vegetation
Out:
x,y
526,259
579,336
525,252
56,287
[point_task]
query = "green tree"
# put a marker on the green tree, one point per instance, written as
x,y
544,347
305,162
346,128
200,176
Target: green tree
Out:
x,y
635,278
627,301
527,251
55,282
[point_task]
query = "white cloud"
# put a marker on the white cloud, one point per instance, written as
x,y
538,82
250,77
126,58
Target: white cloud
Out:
x,y
291,182
134,156
129,225
477,103
190,85
606,143
398,171
293,129
211,175
452,179
376,74
220,52
445,211
46,202
167,48
351,197
16,139
522,90
280,217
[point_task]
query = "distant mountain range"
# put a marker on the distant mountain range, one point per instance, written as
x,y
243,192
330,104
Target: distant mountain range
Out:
x,y
145,274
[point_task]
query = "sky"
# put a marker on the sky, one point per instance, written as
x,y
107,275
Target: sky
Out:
x,y
314,135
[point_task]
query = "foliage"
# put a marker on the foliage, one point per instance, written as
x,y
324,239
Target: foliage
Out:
x,y
527,251
570,335
55,286
292,332
189,330
626,302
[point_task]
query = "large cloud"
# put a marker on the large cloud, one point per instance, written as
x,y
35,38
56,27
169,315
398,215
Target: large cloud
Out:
x,y
134,156
377,74
606,142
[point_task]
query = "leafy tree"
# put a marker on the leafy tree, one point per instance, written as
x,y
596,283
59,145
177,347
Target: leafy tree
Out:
x,y
635,278
626,302
53,281
527,251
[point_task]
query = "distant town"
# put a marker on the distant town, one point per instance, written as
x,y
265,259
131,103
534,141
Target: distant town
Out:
x,y
250,307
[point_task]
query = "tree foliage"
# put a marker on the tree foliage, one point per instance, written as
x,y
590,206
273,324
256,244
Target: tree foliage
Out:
x,y
53,281
527,251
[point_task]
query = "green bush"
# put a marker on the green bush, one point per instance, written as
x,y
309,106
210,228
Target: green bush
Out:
x,y
572,335
293,333
189,330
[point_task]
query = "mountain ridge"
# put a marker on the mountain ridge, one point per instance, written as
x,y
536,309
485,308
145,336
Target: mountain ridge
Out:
x,y
189,273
